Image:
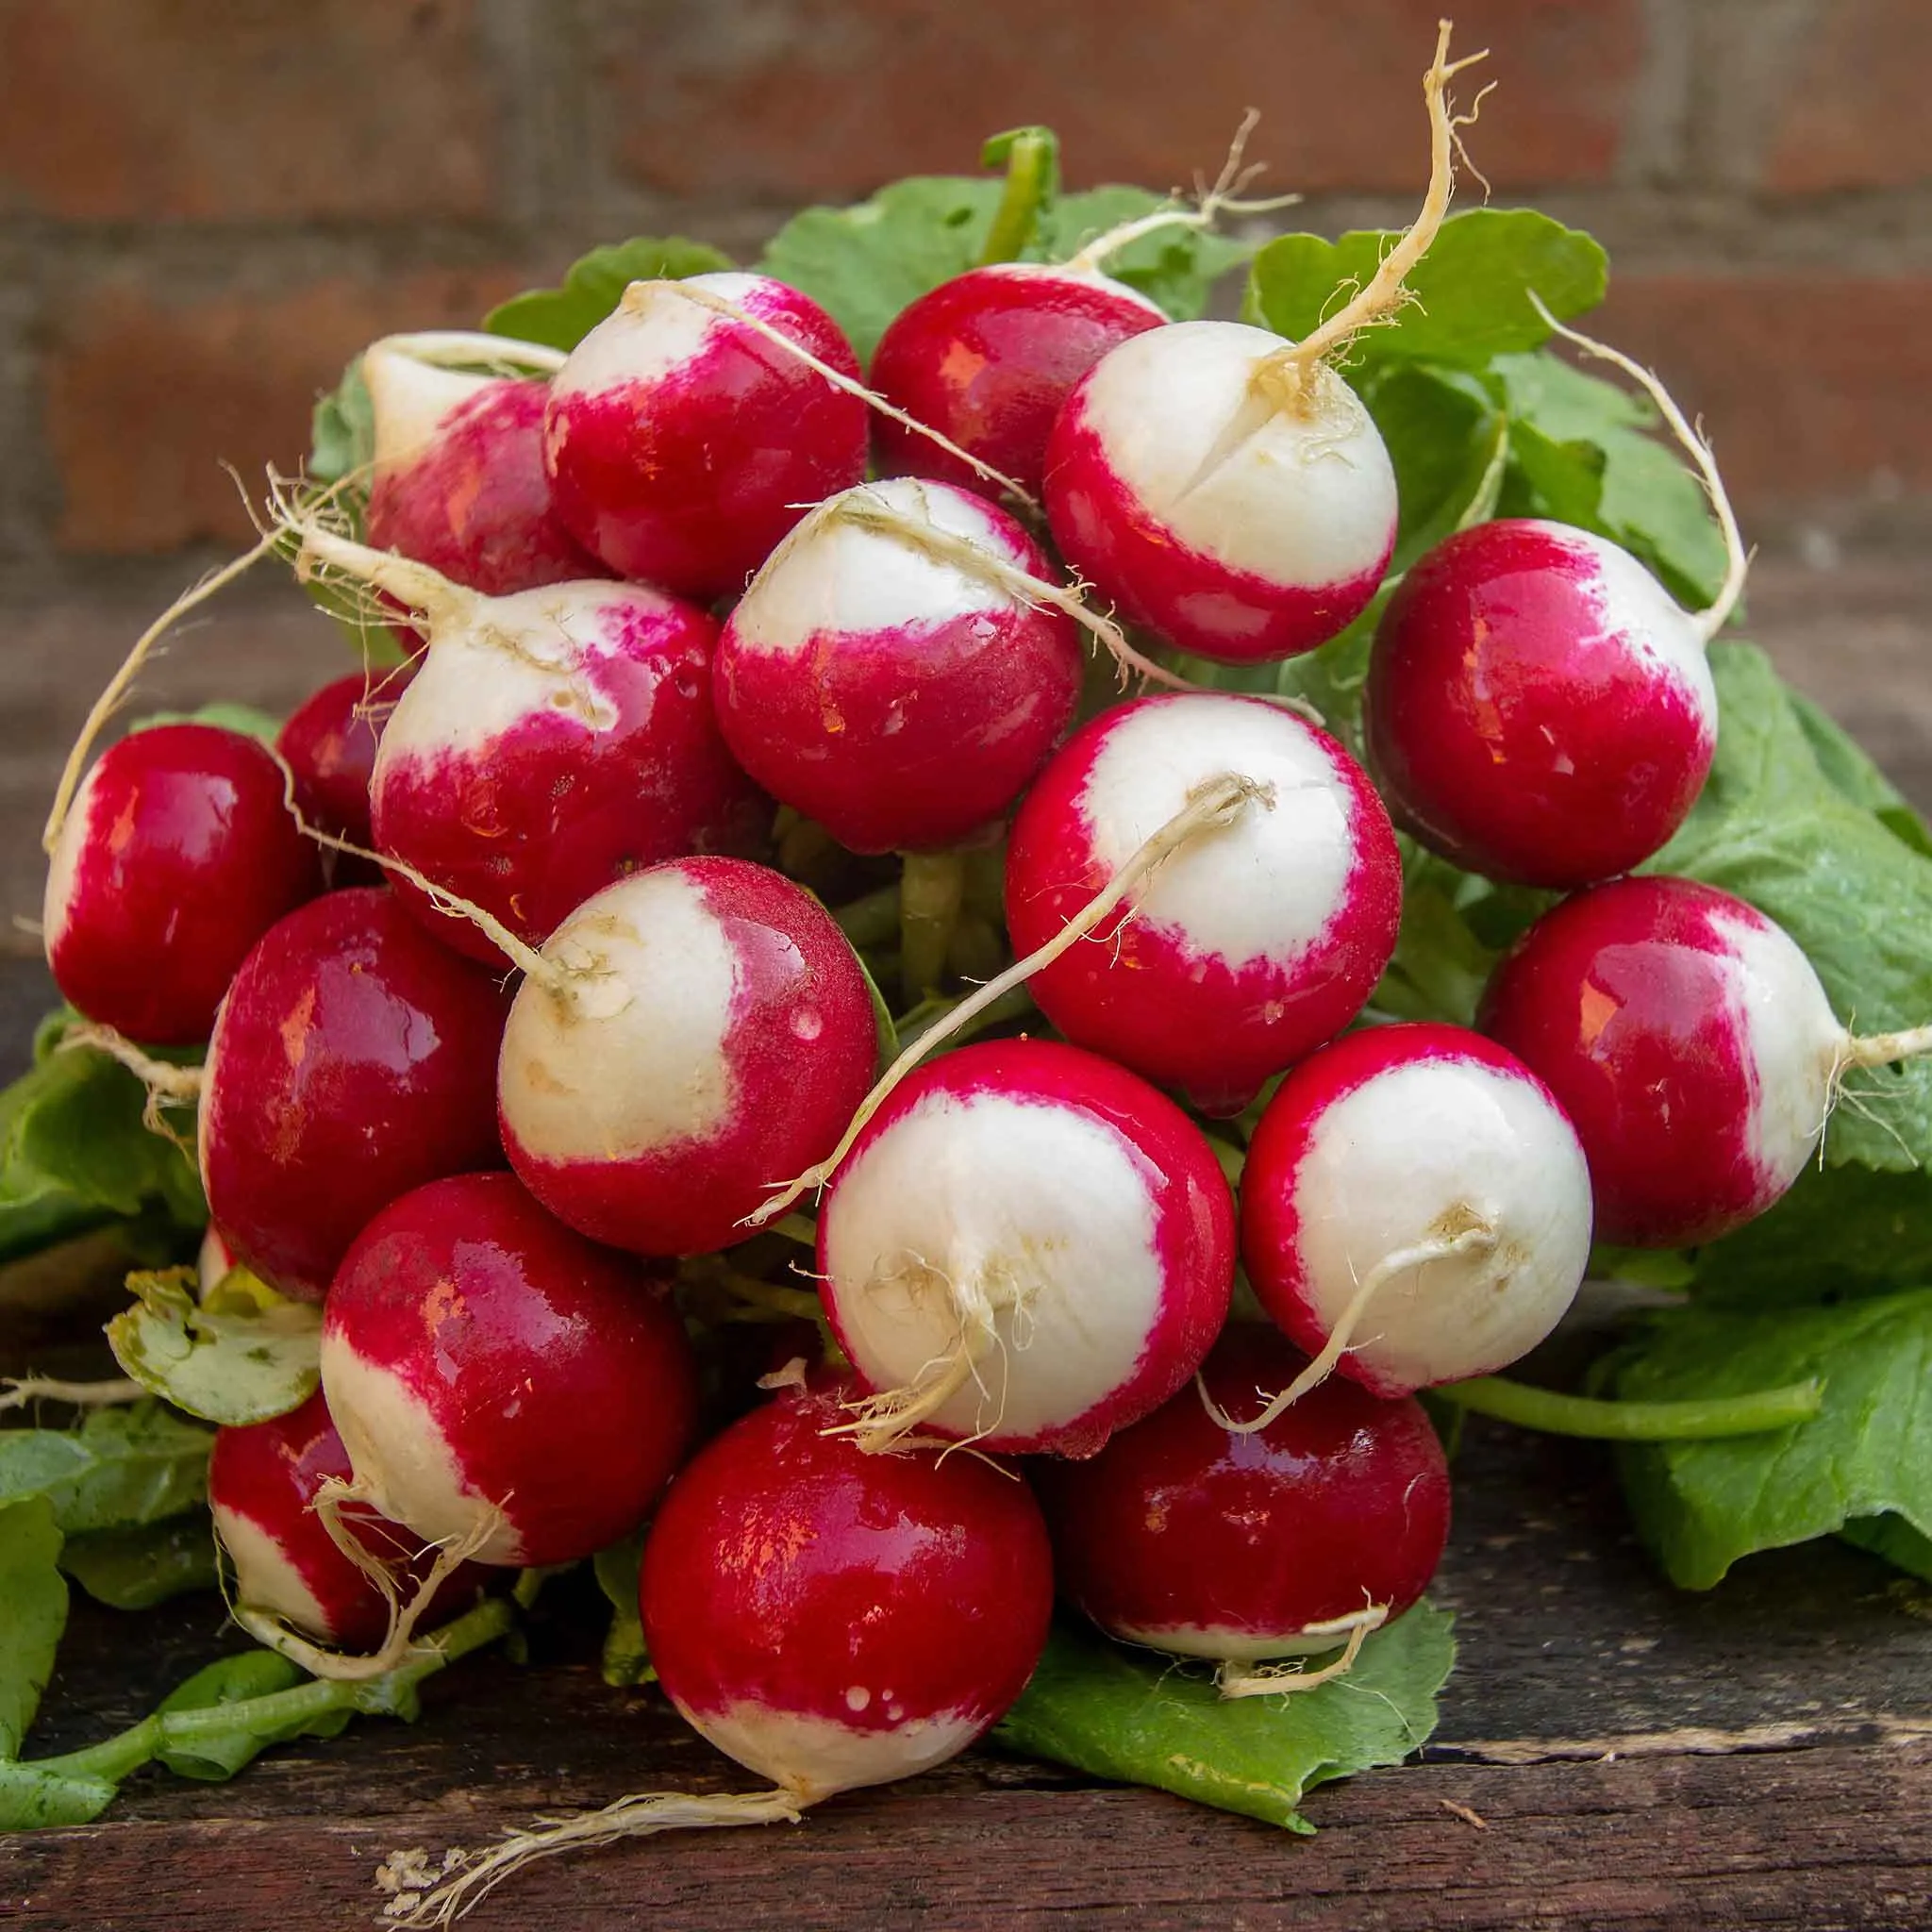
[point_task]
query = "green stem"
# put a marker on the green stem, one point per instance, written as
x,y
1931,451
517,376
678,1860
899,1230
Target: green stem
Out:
x,y
1032,158
796,1227
930,890
872,920
1636,1422
928,1013
114,1757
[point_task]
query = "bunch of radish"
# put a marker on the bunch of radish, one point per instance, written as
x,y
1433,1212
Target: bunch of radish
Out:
x,y
588,1050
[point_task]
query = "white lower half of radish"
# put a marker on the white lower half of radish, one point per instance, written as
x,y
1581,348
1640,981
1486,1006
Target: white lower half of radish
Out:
x,y
815,1757
77,837
265,1578
1238,1646
655,334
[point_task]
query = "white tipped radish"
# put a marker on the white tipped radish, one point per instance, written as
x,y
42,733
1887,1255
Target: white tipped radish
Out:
x,y
1027,1248
1415,1209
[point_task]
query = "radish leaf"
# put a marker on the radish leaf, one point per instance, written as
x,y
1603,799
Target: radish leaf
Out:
x,y
560,318
134,1569
33,1613
119,1468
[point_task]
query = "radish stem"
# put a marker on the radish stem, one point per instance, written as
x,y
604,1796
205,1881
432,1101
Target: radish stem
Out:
x,y
1032,156
1708,1418
930,891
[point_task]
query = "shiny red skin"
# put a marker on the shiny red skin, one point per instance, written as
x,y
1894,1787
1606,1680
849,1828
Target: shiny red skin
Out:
x,y
269,1474
557,1372
988,359
787,1565
354,1060
189,855
1617,1000
794,1094
1194,1215
1271,1227
530,822
1510,731
476,504
329,743
1180,1524
1143,997
690,481
1190,599
906,738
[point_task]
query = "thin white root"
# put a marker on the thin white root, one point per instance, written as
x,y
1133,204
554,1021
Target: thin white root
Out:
x,y
16,1391
458,348
423,1895
1696,445
1288,1680
1288,376
720,304
1882,1049
164,1079
399,1643
412,583
1216,803
1479,1240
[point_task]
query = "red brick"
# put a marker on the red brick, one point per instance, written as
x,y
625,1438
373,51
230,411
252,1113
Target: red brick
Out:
x,y
147,397
1853,113
832,97
243,109
1808,384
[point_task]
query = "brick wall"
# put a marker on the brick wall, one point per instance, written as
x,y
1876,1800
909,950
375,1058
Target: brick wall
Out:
x,y
206,207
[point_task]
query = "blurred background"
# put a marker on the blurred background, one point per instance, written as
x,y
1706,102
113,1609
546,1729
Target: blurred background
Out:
x,y
208,205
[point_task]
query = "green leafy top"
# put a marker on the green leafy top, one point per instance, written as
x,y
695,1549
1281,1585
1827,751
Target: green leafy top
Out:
x,y
560,318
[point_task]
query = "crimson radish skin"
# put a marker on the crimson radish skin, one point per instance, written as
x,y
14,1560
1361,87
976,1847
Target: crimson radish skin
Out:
x,y
1189,1538
1537,708
261,1486
501,1381
329,743
1250,946
831,1618
900,700
1687,1037
177,854
989,358
1050,1230
681,445
1415,1192
354,1060
549,744
1235,527
709,1035
459,481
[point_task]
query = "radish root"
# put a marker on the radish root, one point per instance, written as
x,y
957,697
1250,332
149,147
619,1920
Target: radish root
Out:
x,y
167,1084
456,348
16,1391
1697,446
1480,1239
1290,376
1288,1680
423,1895
1214,805
721,305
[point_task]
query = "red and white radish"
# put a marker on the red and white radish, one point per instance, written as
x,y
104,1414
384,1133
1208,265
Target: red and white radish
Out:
x,y
1688,1037
1247,948
458,480
262,1483
353,1060
690,1036
328,745
989,357
899,698
549,743
1026,1249
1193,1539
682,445
1415,1209
504,1385
177,854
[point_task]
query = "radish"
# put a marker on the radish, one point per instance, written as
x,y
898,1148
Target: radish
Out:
x,y
550,743
1244,950
830,1619
989,357
502,1385
1690,1040
1191,1539
177,854
262,1482
1226,489
1415,1209
897,697
458,480
351,1061
1537,708
328,748
1027,1248
688,1038
682,445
